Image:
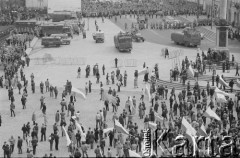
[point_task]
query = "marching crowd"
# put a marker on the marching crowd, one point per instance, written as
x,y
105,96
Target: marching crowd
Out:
x,y
133,7
190,103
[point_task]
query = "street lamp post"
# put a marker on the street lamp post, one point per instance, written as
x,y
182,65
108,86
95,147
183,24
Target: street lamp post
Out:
x,y
212,14
88,23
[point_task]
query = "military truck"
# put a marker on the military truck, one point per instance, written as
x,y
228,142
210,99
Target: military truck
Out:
x,y
51,41
123,42
189,37
64,38
53,28
136,35
99,37
48,29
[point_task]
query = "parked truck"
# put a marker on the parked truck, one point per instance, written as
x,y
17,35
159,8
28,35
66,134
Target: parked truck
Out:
x,y
123,42
48,29
189,37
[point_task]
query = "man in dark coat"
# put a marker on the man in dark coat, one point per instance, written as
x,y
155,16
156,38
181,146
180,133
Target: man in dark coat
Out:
x,y
56,138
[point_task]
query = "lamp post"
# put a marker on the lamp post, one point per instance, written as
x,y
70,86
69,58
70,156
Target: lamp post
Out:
x,y
88,23
212,14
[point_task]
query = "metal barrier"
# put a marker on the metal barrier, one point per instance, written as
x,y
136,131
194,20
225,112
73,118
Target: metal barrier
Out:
x,y
124,63
173,53
59,61
130,63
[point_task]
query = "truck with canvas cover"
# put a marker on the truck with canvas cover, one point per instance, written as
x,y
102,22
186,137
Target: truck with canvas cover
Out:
x,y
25,24
62,15
48,29
51,41
64,38
189,37
123,42
75,25
99,37
136,35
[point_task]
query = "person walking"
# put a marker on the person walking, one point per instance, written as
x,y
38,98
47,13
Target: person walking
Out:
x,y
103,69
116,62
47,85
41,87
19,145
6,150
78,138
12,107
43,132
55,92
237,68
79,72
89,86
84,149
56,138
12,144
98,152
51,139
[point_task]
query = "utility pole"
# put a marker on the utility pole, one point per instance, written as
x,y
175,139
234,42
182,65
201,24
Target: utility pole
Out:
x,y
212,13
198,7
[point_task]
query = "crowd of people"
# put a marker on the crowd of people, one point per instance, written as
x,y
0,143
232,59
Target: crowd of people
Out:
x,y
188,103
139,109
134,7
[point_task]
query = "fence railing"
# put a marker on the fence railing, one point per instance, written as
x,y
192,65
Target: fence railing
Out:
x,y
124,63
59,61
173,53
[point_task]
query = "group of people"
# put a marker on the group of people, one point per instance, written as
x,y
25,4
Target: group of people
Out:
x,y
136,7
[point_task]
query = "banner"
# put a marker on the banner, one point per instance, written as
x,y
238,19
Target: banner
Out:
x,y
222,82
67,136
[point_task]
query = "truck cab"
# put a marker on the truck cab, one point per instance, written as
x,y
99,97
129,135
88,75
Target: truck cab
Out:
x,y
68,30
51,41
64,38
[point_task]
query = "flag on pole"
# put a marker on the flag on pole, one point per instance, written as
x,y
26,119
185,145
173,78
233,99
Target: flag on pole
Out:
x,y
222,82
211,114
142,72
238,83
218,91
202,131
107,130
192,140
133,109
79,92
67,136
133,154
188,127
152,125
110,98
158,118
147,91
220,98
83,135
120,128
190,72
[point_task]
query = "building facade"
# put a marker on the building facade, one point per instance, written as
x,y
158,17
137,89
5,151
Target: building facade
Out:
x,y
233,10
